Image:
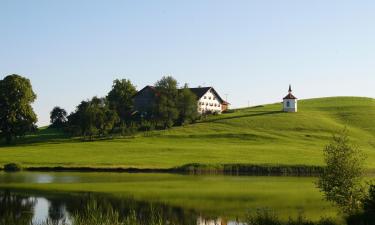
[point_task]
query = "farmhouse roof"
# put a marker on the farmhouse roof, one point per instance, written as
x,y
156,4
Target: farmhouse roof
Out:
x,y
152,88
199,92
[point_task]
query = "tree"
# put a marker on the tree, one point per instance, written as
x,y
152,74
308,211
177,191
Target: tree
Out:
x,y
166,109
16,114
120,98
92,117
341,179
187,106
58,117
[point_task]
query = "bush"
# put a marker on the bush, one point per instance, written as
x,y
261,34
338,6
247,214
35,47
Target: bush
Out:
x,y
12,167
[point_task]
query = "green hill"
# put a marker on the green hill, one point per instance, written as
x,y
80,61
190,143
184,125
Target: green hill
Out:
x,y
257,135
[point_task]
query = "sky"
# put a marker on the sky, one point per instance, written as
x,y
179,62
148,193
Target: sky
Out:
x,y
248,50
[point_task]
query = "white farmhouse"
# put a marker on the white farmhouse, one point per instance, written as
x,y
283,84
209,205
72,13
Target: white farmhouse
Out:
x,y
209,100
290,102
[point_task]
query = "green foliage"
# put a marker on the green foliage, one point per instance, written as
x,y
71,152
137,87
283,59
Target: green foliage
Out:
x,y
16,114
58,117
166,109
120,98
369,201
92,118
187,106
12,167
341,179
269,217
97,214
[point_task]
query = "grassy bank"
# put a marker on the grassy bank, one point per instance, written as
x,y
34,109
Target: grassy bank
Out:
x,y
251,136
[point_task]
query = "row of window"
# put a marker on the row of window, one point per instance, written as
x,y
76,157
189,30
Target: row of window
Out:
x,y
209,98
209,104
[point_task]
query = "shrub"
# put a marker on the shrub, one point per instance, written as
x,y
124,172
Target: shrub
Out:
x,y
12,167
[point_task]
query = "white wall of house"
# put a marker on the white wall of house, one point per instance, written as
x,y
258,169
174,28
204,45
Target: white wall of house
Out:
x,y
209,102
290,105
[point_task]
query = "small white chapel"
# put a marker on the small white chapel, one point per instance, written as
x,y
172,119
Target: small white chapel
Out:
x,y
290,102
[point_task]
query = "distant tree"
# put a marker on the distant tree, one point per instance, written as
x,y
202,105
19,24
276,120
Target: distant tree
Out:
x,y
16,114
92,118
105,118
341,180
120,98
58,117
166,108
187,106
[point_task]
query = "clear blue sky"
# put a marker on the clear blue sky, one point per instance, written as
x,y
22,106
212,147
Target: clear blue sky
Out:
x,y
251,50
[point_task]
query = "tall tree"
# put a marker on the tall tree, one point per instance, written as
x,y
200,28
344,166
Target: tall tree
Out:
x,y
16,113
166,107
341,180
120,98
58,117
187,106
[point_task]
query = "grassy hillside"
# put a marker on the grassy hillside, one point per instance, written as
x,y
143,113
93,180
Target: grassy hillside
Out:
x,y
255,135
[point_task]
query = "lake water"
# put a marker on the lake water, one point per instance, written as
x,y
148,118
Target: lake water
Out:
x,y
154,198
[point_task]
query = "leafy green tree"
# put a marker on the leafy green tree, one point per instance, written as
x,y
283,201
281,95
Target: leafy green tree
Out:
x,y
341,180
16,114
104,117
58,117
92,118
166,109
187,106
120,98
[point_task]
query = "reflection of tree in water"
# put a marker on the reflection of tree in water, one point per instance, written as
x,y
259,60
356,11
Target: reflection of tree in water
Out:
x,y
126,211
89,209
56,210
15,209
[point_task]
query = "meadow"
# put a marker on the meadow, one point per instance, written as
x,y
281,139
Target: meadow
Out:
x,y
256,135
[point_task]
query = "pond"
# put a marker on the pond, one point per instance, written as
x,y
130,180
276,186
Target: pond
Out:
x,y
152,198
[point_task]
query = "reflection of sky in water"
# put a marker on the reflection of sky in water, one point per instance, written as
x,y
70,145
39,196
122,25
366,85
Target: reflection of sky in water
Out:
x,y
40,210
44,178
37,177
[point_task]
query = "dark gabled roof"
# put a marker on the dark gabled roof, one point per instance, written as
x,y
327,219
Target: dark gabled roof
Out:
x,y
290,96
200,91
152,88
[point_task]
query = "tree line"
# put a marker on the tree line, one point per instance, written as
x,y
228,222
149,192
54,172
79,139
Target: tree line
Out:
x,y
98,116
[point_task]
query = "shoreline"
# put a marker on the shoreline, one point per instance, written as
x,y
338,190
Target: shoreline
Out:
x,y
196,169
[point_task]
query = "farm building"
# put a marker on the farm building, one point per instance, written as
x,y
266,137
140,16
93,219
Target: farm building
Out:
x,y
208,100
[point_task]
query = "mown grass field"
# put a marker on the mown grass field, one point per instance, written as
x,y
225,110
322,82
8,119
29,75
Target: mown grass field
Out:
x,y
258,135
226,196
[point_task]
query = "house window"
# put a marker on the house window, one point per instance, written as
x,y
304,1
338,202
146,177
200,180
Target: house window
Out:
x,y
287,104
204,97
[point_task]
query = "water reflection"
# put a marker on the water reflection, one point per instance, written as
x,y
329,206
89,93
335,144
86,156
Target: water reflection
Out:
x,y
16,209
83,209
